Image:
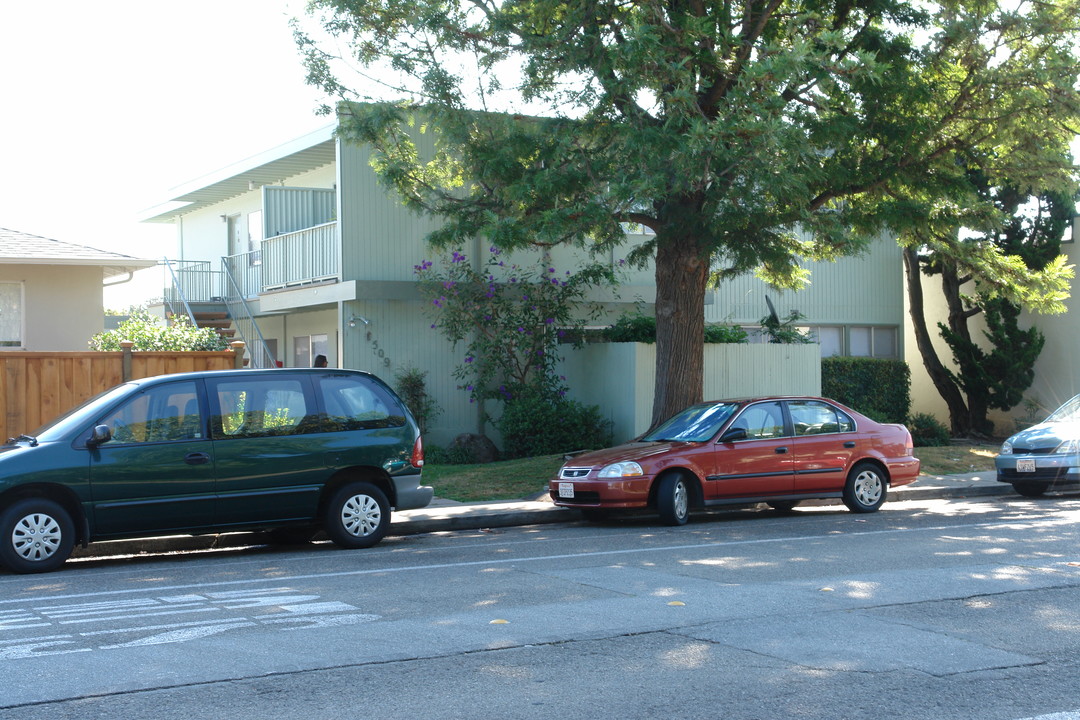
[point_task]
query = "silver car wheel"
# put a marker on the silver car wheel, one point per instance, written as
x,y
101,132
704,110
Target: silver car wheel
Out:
x,y
868,487
36,537
681,501
361,515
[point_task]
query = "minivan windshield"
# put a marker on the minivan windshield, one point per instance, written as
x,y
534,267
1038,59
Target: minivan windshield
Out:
x,y
697,423
80,417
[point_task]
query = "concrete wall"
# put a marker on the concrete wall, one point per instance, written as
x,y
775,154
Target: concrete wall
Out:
x,y
620,377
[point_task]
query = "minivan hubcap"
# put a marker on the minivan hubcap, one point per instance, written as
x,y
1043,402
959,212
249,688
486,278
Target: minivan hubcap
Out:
x,y
36,537
360,515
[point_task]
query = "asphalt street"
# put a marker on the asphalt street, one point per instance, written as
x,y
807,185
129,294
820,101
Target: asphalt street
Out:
x,y
959,607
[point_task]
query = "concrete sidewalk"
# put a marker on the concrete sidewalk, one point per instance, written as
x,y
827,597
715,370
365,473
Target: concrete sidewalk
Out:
x,y
446,515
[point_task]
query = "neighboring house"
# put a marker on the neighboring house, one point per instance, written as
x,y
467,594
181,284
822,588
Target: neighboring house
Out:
x,y
51,291
310,255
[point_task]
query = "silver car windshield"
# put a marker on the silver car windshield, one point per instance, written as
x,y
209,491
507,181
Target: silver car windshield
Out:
x,y
697,423
1069,412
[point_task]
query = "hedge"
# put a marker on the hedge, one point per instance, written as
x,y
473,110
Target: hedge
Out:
x,y
878,388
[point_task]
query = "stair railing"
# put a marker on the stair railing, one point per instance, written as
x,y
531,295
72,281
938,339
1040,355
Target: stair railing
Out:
x,y
177,296
244,320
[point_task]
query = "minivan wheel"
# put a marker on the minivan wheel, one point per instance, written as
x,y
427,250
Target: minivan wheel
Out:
x,y
865,489
357,516
36,535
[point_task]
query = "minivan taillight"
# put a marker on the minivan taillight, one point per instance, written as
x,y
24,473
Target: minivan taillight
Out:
x,y
417,457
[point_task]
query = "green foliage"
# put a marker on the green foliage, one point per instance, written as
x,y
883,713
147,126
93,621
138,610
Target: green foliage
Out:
x,y
637,327
455,455
878,388
927,430
411,386
745,136
150,333
785,331
992,263
510,318
998,377
537,423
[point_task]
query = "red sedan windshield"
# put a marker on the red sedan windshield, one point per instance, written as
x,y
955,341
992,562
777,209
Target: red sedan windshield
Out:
x,y
696,423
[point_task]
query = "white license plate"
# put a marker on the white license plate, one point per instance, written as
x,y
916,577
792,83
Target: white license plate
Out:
x,y
1025,465
566,490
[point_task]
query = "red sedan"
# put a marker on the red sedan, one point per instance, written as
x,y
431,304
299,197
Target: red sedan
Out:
x,y
776,450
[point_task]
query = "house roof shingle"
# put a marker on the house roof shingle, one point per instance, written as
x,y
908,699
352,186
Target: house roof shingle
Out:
x,y
19,248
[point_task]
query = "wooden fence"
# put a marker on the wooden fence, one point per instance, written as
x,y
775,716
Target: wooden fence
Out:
x,y
36,387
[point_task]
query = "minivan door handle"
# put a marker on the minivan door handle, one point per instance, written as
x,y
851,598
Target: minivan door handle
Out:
x,y
849,444
197,458
781,450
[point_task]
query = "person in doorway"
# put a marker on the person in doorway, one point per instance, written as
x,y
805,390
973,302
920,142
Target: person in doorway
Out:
x,y
320,361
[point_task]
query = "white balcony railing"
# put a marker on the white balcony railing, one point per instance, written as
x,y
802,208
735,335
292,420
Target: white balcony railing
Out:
x,y
307,256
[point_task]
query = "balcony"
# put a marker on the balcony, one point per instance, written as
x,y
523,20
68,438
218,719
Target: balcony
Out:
x,y
291,260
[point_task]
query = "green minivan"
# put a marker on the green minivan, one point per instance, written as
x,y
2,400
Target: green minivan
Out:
x,y
292,451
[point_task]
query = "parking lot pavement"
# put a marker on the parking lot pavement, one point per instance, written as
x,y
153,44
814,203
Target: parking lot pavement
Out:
x,y
446,515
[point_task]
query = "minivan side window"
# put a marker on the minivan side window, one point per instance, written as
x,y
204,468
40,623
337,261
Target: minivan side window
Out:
x,y
353,402
260,407
163,413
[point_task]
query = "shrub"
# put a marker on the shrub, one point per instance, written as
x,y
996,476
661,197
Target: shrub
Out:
x,y
878,388
455,455
928,431
410,384
636,327
149,333
535,423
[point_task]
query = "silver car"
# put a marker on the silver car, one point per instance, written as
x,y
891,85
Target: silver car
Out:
x,y
1045,456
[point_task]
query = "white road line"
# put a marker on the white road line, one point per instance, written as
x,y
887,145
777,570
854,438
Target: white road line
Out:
x,y
1009,524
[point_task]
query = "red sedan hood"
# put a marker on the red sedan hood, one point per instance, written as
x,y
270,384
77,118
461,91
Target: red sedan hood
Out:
x,y
629,451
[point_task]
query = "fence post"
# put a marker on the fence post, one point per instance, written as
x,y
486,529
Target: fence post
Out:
x,y
125,348
238,350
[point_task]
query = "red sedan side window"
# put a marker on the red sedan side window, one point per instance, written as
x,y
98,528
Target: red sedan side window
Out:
x,y
812,417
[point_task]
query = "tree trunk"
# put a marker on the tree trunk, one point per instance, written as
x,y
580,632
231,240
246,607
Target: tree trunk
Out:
x,y
958,411
975,422
682,273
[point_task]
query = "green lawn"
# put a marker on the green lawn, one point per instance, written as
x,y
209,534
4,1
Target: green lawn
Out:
x,y
517,479
504,480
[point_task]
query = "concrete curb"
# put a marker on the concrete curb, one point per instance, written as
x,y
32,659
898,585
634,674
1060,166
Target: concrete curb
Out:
x,y
447,516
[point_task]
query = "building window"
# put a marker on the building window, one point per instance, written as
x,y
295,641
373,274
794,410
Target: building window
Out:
x,y
11,314
830,338
307,347
872,342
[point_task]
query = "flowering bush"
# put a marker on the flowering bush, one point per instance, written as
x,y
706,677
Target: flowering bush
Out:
x,y
148,333
511,319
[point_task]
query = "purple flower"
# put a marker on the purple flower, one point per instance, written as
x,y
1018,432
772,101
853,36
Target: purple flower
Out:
x,y
457,257
469,360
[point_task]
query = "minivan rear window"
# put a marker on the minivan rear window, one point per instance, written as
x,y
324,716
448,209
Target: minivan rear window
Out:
x,y
357,403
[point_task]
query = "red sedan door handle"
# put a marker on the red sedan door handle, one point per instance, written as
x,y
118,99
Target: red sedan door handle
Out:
x,y
197,458
849,444
781,450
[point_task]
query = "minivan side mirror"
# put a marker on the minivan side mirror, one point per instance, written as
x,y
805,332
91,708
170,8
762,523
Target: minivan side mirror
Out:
x,y
99,435
733,434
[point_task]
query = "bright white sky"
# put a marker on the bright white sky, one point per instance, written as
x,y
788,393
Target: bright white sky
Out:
x,y
108,105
